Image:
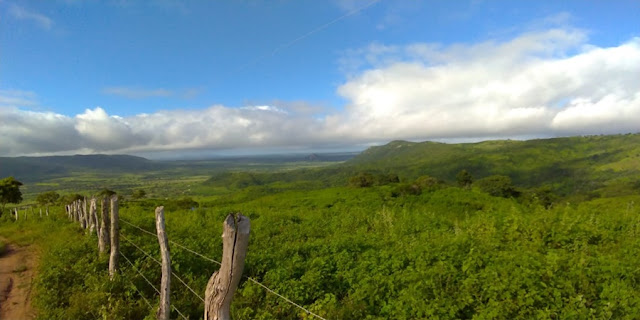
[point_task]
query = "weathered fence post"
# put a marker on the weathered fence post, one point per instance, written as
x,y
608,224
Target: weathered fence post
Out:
x,y
93,217
115,241
83,213
224,282
40,212
16,212
165,284
103,232
47,210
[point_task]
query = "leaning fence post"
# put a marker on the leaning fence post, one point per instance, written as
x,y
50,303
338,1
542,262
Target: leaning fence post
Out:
x,y
115,241
165,284
224,282
103,232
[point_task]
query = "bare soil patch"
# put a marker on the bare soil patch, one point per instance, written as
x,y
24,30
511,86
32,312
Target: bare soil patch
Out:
x,y
17,271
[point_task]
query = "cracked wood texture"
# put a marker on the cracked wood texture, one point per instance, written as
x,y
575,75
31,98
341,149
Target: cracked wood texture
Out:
x,y
115,238
224,282
165,283
103,231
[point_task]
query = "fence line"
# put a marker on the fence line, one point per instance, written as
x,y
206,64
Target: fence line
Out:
x,y
152,286
160,263
134,286
172,242
212,260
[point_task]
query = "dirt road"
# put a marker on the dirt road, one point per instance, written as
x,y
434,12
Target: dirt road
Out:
x,y
17,268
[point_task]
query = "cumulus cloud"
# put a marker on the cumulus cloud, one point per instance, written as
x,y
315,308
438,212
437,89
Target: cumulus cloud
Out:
x,y
545,83
539,83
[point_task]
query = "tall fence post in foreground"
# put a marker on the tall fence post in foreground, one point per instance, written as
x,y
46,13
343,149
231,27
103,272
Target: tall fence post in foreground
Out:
x,y
224,282
165,284
103,231
15,210
115,241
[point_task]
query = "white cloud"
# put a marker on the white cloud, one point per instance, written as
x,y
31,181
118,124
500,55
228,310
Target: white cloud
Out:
x,y
493,89
17,98
21,13
538,84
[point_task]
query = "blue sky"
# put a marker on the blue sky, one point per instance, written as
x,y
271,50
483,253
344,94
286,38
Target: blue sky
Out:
x,y
222,75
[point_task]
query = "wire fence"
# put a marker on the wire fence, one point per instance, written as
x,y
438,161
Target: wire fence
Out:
x,y
160,263
219,263
152,286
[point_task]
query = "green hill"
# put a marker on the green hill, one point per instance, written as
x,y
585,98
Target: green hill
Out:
x,y
570,165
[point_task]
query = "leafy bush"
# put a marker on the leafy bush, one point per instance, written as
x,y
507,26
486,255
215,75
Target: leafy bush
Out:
x,y
497,186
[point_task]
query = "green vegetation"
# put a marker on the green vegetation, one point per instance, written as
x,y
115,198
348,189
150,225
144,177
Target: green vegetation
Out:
x,y
9,192
536,230
47,198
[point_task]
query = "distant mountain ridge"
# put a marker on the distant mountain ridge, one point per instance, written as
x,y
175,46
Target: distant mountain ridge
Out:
x,y
32,168
569,164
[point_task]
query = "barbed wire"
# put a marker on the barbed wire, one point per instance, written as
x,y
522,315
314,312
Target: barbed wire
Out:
x,y
172,242
212,260
152,286
160,263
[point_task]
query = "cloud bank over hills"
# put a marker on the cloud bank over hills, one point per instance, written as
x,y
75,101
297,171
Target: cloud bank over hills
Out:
x,y
543,83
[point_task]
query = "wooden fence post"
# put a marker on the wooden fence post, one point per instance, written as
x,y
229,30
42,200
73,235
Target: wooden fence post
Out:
x,y
224,282
103,232
93,217
40,212
165,284
115,241
16,212
47,210
83,213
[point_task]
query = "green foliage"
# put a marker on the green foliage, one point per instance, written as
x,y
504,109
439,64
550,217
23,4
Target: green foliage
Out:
x,y
105,193
464,179
362,180
70,198
421,249
428,183
47,198
9,192
138,194
367,179
497,186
